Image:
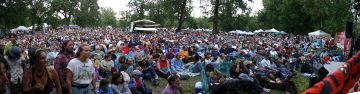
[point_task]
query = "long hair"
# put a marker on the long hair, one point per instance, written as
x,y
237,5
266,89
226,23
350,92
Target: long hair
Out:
x,y
81,48
115,78
6,64
34,54
63,47
172,78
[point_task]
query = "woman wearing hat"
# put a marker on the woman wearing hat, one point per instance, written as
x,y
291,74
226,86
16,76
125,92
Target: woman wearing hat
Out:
x,y
39,78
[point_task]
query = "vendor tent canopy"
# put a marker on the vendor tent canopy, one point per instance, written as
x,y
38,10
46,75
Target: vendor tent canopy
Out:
x,y
272,31
20,29
258,31
318,33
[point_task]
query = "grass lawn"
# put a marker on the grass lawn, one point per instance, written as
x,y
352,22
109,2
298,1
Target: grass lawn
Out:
x,y
189,85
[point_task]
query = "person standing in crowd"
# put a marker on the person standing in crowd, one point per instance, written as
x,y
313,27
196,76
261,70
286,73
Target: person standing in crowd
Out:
x,y
119,85
177,64
173,86
104,87
61,62
4,76
16,69
10,44
81,73
40,79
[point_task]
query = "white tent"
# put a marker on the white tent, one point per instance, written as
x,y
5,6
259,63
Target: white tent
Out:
x,y
283,32
273,31
258,31
240,32
319,33
22,28
250,33
108,27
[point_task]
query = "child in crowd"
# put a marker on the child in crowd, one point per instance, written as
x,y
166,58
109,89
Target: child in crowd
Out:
x,y
104,87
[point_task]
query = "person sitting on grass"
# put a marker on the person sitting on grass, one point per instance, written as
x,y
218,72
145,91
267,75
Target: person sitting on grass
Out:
x,y
214,75
163,67
119,85
177,64
287,85
147,68
104,87
173,86
137,85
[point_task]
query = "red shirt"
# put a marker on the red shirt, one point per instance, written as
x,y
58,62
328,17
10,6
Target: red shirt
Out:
x,y
163,63
125,49
138,83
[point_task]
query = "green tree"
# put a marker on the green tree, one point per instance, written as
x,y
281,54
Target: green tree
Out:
x,y
39,13
63,11
108,17
125,19
14,13
139,7
224,9
88,14
303,16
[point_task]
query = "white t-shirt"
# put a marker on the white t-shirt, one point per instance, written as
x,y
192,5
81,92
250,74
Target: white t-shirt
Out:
x,y
264,63
83,72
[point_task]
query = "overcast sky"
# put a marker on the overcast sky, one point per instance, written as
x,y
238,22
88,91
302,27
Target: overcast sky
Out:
x,y
121,5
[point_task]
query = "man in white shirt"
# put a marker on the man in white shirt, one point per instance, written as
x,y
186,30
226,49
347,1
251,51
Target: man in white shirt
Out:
x,y
265,63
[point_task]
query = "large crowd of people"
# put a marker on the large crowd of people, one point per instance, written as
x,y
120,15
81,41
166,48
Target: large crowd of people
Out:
x,y
73,61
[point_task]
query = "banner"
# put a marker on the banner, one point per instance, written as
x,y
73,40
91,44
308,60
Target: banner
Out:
x,y
343,43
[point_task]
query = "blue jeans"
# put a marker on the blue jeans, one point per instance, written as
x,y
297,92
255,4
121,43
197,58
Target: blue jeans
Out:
x,y
77,90
150,73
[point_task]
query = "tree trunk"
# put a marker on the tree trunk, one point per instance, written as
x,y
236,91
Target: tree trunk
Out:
x,y
182,13
216,17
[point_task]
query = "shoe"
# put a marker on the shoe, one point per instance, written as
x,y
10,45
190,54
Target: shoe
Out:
x,y
156,77
266,90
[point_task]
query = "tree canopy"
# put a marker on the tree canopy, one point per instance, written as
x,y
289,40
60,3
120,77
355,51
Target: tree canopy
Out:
x,y
293,16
